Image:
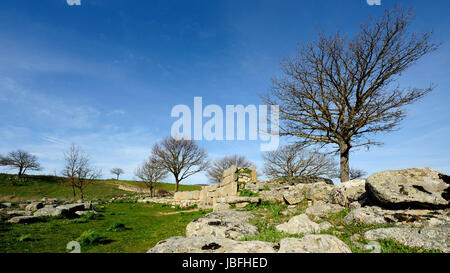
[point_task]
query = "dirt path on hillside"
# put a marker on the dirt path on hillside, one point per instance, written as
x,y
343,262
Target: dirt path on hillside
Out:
x,y
177,212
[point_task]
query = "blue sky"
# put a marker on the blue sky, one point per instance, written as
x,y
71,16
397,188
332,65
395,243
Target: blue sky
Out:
x,y
106,74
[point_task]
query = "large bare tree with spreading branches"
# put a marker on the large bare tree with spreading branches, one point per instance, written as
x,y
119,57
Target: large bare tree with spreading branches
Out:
x,y
294,160
151,172
180,157
341,91
216,169
78,170
22,161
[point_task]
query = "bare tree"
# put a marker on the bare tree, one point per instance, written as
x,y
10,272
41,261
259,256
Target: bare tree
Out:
x,y
182,158
117,172
341,91
293,160
78,170
22,161
216,169
357,173
150,172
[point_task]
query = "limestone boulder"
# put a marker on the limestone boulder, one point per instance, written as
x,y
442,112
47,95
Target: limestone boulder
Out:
x,y
416,217
313,244
319,191
426,238
23,220
14,213
321,209
410,188
295,194
50,211
300,224
348,192
34,206
222,224
211,244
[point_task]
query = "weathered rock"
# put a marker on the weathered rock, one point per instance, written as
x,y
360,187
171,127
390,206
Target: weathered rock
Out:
x,y
210,244
72,208
23,220
34,206
366,215
346,193
294,195
220,207
321,209
14,213
238,199
410,188
274,195
224,224
50,211
313,244
377,215
5,205
85,212
325,225
299,224
426,238
319,192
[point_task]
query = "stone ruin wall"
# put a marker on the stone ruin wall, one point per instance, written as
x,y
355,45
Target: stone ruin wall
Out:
x,y
234,179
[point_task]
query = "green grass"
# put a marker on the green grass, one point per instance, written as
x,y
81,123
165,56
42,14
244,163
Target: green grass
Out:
x,y
119,227
35,187
248,193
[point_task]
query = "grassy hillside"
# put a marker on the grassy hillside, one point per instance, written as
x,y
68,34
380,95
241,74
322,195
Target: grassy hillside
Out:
x,y
35,187
119,227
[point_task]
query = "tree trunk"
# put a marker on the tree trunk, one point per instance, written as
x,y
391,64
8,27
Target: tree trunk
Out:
x,y
344,155
81,194
177,182
74,194
117,177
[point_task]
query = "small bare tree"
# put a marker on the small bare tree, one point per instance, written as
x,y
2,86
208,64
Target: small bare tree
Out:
x,y
117,172
293,160
216,169
150,172
22,161
341,91
78,170
182,158
357,173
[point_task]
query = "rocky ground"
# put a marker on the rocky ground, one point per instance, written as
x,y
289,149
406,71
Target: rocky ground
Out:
x,y
407,207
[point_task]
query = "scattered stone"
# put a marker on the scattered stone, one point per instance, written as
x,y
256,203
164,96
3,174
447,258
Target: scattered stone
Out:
x,y
366,215
220,207
85,212
355,237
373,247
410,188
294,195
71,208
5,205
313,244
426,238
23,220
50,211
377,215
319,192
223,224
348,192
325,225
14,213
321,209
211,244
34,206
299,224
